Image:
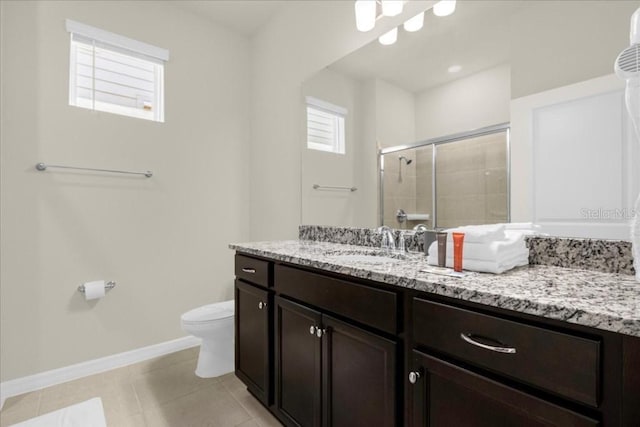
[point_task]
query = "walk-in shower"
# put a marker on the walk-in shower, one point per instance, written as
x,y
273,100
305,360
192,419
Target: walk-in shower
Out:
x,y
454,180
406,162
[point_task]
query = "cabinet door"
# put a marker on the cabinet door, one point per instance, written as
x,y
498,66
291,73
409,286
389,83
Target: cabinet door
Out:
x,y
298,366
252,339
359,370
447,395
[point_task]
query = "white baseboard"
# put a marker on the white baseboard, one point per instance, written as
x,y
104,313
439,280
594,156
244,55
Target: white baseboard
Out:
x,y
91,367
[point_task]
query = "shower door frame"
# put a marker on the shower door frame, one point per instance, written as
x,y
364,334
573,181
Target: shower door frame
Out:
x,y
489,130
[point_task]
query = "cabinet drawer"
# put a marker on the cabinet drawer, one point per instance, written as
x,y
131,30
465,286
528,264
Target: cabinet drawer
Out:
x,y
447,395
364,304
562,364
252,270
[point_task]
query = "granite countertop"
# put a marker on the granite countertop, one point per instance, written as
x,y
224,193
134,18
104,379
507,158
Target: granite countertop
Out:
x,y
604,301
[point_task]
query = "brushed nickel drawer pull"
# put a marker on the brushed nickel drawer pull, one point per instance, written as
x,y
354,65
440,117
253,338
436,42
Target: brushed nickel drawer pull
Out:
x,y
467,338
249,270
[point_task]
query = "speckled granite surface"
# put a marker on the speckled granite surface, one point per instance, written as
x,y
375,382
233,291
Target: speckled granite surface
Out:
x,y
600,300
609,256
414,241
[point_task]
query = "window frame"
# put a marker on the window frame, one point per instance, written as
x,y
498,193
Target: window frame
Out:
x,y
338,115
95,38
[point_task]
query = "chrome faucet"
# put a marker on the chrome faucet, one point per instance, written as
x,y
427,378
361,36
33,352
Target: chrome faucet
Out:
x,y
401,243
388,241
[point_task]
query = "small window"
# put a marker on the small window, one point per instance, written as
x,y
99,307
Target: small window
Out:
x,y
115,74
325,126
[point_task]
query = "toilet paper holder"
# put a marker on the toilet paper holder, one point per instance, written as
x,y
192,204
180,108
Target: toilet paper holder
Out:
x,y
107,286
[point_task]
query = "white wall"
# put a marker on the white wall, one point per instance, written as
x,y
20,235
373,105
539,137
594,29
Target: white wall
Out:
x,y
305,37
331,207
164,240
557,43
395,115
472,102
594,166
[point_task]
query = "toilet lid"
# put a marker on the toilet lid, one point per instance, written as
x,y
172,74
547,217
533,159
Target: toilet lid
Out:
x,y
209,312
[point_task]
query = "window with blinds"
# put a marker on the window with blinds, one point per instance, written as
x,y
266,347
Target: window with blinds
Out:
x,y
115,74
325,126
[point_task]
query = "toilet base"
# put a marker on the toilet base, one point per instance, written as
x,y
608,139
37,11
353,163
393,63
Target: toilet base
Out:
x,y
215,358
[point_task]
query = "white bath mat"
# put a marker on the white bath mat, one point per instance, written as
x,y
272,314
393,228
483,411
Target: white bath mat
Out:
x,y
89,413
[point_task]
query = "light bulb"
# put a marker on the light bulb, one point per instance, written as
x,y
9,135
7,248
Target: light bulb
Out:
x,y
444,7
392,7
454,68
389,37
365,14
415,23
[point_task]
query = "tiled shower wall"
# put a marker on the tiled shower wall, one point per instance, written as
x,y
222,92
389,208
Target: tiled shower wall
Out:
x,y
399,193
471,183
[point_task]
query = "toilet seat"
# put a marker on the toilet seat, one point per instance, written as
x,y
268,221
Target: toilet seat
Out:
x,y
208,313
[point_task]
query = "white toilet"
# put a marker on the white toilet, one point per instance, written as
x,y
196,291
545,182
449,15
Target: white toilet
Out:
x,y
214,324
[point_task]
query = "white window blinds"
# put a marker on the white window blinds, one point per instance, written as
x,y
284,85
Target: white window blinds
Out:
x,y
325,126
115,74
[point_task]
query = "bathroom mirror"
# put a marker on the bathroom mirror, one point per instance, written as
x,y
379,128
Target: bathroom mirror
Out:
x,y
544,68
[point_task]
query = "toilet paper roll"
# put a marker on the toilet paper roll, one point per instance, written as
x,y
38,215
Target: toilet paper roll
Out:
x,y
94,290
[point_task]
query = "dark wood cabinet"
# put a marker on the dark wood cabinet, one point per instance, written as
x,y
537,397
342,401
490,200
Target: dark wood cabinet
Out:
x,y
297,364
330,373
359,372
448,395
253,338
563,364
321,349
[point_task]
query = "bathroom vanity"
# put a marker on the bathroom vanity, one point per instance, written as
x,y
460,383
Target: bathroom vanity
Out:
x,y
338,335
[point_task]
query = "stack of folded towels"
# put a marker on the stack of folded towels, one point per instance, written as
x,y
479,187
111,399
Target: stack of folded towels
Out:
x,y
494,248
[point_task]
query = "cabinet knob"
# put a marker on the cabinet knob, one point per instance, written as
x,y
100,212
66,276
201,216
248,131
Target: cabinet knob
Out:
x,y
320,332
414,377
262,305
312,330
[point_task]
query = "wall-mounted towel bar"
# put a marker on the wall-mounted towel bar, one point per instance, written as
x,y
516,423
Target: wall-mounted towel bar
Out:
x,y
43,167
329,187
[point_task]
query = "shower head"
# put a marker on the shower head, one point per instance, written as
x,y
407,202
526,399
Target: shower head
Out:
x,y
407,161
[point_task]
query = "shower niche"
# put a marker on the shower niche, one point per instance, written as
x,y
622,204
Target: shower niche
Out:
x,y
446,182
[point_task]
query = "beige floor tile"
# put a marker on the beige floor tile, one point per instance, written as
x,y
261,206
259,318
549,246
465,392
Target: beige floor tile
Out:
x,y
249,423
160,386
248,402
117,397
212,406
164,361
268,421
113,387
123,420
230,381
20,408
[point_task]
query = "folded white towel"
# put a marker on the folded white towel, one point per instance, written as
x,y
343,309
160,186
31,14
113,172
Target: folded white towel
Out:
x,y
521,226
479,233
494,267
499,250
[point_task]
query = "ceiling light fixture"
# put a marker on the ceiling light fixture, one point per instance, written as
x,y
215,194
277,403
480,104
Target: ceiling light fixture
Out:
x,y
444,7
392,7
454,68
415,23
389,37
365,15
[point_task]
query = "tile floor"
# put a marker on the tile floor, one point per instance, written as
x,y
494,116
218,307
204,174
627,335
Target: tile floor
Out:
x,y
162,392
